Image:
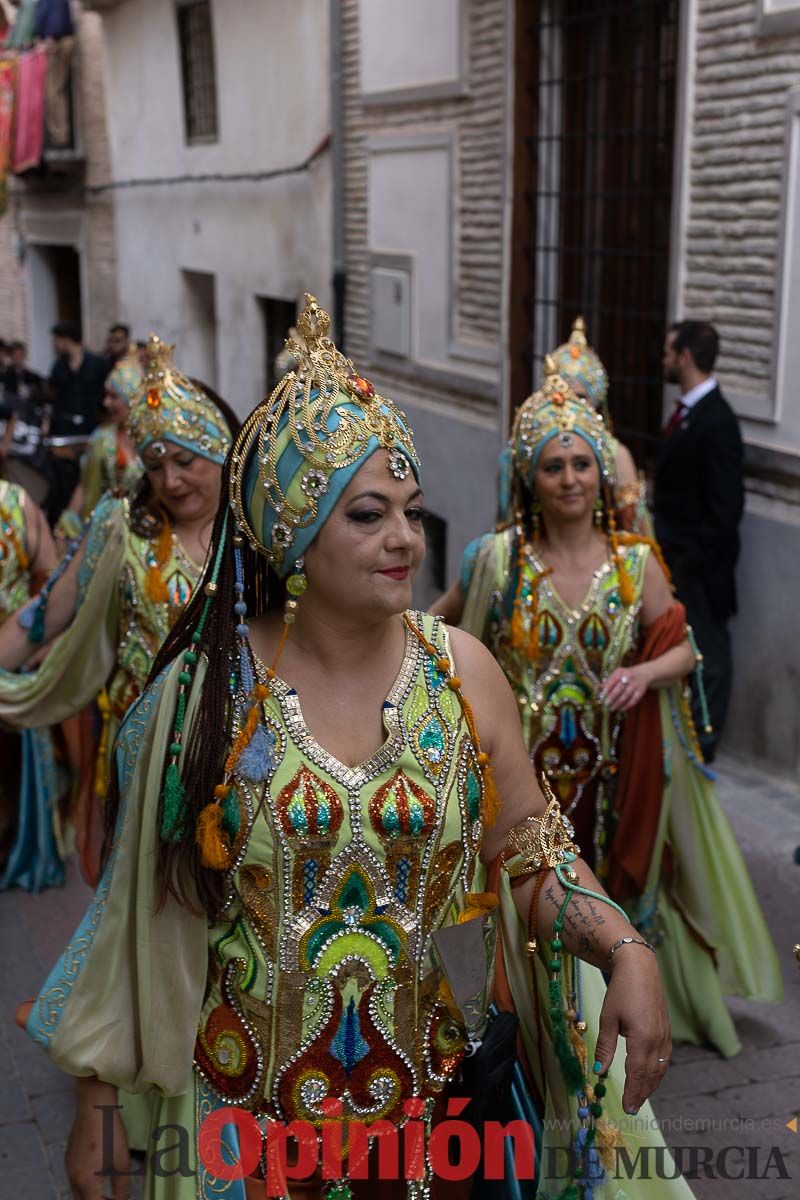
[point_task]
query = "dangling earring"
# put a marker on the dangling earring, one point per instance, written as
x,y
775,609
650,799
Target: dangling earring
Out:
x,y
296,584
536,520
598,512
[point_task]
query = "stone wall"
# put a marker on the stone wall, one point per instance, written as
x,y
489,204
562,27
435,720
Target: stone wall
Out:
x,y
740,83
457,402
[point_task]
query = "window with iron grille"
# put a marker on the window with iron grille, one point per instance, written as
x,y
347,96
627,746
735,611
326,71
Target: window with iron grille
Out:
x,y
197,70
594,136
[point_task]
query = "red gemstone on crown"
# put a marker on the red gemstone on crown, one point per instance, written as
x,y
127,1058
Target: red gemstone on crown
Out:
x,y
154,398
360,387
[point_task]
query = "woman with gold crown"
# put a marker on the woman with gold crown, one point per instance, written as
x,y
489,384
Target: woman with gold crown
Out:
x,y
106,613
110,463
582,620
580,365
319,796
31,846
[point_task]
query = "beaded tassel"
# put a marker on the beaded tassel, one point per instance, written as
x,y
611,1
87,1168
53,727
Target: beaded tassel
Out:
x,y
517,631
216,827
173,799
159,557
627,592
699,667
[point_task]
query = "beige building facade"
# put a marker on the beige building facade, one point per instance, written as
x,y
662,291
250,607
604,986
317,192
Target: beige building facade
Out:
x,y
57,238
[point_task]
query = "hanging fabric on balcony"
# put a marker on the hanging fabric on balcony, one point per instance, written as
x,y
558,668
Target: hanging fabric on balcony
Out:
x,y
8,83
29,135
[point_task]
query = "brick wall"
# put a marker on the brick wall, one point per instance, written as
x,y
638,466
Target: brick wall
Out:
x,y
478,120
736,174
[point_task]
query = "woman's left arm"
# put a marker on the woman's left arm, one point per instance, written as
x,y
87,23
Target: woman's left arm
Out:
x,y
626,686
634,1007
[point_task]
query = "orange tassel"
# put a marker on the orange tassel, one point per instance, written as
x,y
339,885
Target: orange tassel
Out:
x,y
214,843
157,589
634,539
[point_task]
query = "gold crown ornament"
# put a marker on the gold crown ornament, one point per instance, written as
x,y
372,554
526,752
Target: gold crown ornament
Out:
x,y
321,421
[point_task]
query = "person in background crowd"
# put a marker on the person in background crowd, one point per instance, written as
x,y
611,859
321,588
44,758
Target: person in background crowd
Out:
x,y
117,342
77,381
698,504
17,378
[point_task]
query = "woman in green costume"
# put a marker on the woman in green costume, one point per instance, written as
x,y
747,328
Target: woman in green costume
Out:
x,y
106,615
32,785
305,801
110,463
583,623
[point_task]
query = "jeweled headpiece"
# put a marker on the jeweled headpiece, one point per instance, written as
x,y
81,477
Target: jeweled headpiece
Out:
x,y
298,450
125,378
170,408
577,362
555,411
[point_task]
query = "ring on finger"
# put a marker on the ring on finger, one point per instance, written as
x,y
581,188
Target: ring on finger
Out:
x,y
664,1059
624,680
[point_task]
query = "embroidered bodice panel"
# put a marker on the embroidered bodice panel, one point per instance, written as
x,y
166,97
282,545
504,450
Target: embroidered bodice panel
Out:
x,y
14,577
322,978
572,737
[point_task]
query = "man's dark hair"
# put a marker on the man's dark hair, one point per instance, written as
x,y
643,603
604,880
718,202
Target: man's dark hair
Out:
x,y
700,339
120,328
67,329
18,346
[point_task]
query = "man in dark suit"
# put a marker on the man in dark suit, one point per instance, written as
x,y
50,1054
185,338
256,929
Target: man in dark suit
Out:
x,y
698,503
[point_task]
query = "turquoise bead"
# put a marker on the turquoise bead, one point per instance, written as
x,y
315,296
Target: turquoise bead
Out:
x,y
175,748
185,677
197,636
556,944
555,964
190,657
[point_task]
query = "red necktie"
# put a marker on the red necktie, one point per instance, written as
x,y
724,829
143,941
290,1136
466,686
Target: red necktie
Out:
x,y
674,420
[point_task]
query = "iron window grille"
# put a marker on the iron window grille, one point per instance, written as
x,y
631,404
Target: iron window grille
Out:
x,y
195,33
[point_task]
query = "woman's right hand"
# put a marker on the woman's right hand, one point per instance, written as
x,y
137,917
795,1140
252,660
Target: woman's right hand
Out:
x,y
97,1145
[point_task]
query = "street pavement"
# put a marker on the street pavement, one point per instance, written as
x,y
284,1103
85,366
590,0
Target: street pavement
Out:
x,y
705,1103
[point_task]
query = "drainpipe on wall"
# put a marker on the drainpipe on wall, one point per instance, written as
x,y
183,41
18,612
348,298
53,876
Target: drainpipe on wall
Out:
x,y
337,123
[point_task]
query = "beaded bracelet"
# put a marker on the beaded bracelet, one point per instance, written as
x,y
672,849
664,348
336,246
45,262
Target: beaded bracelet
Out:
x,y
627,941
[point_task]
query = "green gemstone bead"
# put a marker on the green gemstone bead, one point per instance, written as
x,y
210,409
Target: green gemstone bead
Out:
x,y
600,1090
296,585
190,656
591,1134
175,748
555,964
185,677
596,1110
556,944
197,636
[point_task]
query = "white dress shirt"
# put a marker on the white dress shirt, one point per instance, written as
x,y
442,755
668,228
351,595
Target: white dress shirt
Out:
x,y
695,394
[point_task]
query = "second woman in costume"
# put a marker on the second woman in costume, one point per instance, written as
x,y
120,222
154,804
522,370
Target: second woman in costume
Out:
x,y
582,620
107,614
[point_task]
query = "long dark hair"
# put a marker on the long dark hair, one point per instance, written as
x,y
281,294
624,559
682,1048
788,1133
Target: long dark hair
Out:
x,y
179,868
147,515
